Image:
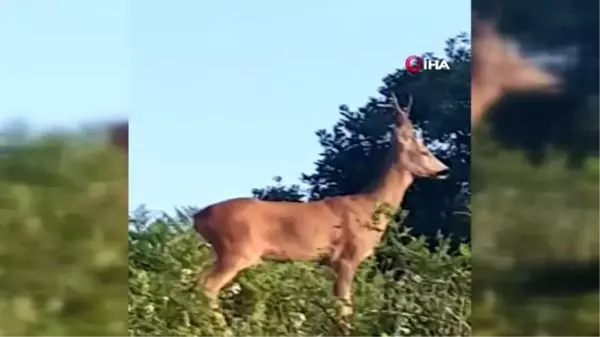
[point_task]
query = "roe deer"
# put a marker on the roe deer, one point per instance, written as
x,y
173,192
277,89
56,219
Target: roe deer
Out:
x,y
499,69
339,231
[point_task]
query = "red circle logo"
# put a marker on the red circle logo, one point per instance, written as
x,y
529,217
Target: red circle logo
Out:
x,y
413,64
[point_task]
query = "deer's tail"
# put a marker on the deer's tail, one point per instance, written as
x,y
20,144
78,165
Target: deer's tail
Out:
x,y
202,223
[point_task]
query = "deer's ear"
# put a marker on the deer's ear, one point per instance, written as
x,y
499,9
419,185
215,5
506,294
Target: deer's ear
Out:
x,y
406,109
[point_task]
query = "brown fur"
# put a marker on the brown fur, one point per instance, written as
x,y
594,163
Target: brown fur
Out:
x,y
339,231
498,69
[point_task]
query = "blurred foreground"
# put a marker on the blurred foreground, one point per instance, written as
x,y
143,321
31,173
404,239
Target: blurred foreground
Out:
x,y
536,181
63,207
529,222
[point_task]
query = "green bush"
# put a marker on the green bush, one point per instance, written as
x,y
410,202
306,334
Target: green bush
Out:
x,y
63,207
431,298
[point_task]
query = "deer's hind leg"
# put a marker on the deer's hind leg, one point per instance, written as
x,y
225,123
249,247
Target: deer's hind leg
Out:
x,y
219,274
222,271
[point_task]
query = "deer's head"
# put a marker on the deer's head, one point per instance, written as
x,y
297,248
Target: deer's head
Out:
x,y
495,60
499,69
412,153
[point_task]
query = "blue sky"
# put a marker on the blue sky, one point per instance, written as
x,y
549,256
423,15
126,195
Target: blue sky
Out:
x,y
221,95
64,61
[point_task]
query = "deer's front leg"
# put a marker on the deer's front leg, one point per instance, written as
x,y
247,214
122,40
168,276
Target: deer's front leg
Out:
x,y
342,288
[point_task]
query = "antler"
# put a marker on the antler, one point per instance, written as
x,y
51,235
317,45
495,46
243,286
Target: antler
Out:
x,y
396,106
401,113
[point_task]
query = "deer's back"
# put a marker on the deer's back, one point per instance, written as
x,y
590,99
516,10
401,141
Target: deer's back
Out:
x,y
279,230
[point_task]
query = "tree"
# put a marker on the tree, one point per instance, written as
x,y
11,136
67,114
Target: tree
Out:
x,y
279,192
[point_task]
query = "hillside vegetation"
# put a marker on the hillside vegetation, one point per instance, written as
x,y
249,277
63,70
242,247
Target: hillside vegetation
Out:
x,y
432,298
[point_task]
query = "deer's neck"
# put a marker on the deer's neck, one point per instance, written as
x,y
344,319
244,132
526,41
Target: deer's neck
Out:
x,y
392,186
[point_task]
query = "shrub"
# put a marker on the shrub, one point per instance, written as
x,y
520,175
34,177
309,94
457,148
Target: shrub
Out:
x,y
431,298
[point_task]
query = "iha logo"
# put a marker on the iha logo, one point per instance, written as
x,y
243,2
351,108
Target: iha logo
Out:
x,y
415,64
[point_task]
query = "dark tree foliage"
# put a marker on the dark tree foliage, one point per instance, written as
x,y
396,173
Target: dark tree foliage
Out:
x,y
278,192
